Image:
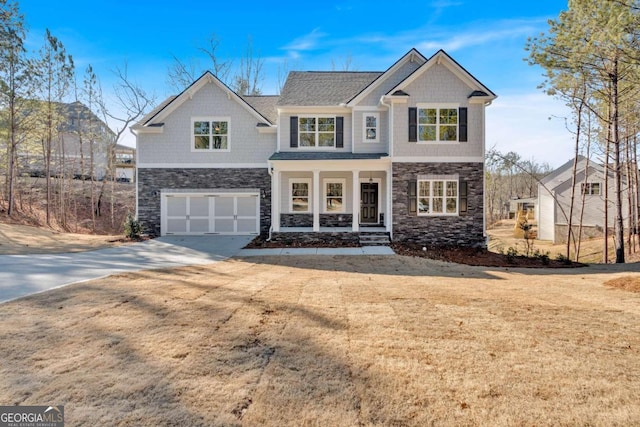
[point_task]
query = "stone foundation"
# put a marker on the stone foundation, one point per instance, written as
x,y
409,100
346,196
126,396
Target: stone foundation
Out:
x,y
316,239
152,181
462,230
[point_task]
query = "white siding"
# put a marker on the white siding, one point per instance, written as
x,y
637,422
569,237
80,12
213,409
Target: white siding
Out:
x,y
174,145
439,85
383,133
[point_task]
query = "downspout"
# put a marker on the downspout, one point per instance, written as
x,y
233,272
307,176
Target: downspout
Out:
x,y
389,180
270,172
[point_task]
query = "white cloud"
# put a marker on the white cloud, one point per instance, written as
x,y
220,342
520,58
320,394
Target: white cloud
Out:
x,y
532,125
306,42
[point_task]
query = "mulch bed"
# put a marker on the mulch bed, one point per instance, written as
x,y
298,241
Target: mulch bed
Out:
x,y
480,257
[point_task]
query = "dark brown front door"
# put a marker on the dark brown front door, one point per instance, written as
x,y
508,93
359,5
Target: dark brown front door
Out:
x,y
369,203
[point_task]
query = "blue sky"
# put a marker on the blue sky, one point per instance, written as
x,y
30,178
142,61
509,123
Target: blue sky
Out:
x,y
486,37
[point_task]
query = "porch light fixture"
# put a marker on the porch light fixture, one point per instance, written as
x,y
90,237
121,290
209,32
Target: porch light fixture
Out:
x,y
370,178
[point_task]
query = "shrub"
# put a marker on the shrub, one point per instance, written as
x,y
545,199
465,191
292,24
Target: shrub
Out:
x,y
132,227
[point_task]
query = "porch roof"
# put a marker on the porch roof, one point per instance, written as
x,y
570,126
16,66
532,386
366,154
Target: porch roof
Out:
x,y
295,155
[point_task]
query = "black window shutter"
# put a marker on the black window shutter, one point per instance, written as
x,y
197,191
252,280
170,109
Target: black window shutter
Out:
x,y
294,132
339,132
463,191
462,124
413,124
412,195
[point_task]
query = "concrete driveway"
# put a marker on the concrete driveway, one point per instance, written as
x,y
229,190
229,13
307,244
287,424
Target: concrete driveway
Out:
x,y
22,275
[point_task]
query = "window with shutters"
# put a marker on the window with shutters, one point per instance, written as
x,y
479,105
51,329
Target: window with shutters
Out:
x,y
437,123
316,132
437,197
210,134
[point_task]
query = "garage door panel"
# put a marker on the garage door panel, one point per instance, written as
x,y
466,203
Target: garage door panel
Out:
x,y
224,206
210,213
199,206
247,226
224,225
178,225
247,206
176,206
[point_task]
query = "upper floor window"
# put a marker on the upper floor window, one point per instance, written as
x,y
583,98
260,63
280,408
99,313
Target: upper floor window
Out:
x,y
211,134
317,131
591,188
371,127
437,123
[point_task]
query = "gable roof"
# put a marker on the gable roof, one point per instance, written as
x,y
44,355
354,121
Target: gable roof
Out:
x,y
156,116
442,57
412,56
324,88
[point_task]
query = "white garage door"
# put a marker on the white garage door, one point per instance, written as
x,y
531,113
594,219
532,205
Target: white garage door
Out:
x,y
215,213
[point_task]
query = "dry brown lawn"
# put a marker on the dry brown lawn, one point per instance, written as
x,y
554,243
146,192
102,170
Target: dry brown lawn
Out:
x,y
330,341
16,239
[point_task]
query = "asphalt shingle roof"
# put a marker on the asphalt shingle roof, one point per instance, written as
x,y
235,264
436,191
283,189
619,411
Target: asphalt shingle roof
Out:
x,y
265,105
324,88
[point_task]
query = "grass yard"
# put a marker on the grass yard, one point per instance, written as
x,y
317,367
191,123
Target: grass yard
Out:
x,y
330,341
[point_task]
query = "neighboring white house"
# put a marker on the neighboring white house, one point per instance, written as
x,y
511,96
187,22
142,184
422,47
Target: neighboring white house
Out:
x,y
400,151
554,200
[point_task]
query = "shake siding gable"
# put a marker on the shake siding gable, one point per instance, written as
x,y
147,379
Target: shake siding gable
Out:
x,y
438,85
174,144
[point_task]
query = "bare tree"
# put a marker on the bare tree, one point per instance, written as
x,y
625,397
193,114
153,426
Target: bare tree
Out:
x,y
130,103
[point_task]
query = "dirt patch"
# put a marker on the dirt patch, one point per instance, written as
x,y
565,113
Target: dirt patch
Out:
x,y
626,283
322,340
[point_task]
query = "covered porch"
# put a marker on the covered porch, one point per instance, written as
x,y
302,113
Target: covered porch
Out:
x,y
330,192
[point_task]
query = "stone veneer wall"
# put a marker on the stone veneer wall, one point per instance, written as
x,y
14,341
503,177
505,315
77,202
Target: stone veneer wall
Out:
x,y
316,239
306,220
463,230
152,181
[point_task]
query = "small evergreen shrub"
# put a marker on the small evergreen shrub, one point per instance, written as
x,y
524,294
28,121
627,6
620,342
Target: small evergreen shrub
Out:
x,y
132,227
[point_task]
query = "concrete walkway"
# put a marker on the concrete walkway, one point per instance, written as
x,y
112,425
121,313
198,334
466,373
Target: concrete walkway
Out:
x,y
22,275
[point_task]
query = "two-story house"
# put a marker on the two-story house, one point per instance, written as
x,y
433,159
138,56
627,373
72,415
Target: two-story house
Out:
x,y
399,151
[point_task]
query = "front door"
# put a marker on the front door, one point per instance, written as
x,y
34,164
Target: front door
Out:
x,y
369,203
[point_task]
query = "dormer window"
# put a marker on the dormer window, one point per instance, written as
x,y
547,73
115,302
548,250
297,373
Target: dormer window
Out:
x,y
317,132
210,134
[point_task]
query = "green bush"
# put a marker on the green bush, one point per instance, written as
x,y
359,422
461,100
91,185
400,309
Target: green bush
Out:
x,y
132,227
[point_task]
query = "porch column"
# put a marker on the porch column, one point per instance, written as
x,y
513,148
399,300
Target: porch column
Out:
x,y
388,218
356,201
275,200
316,200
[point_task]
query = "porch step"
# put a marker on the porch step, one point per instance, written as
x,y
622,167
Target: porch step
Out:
x,y
374,239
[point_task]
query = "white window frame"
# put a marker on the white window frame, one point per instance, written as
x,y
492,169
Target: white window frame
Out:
x,y
376,116
444,196
309,195
325,197
316,132
211,148
438,125
587,188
